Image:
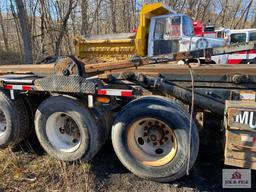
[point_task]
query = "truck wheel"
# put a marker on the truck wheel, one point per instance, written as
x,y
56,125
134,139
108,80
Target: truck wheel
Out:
x,y
14,121
104,118
67,130
150,137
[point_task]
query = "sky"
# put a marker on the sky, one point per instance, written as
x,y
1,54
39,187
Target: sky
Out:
x,y
5,6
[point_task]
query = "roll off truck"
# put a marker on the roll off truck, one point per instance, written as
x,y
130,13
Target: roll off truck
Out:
x,y
130,88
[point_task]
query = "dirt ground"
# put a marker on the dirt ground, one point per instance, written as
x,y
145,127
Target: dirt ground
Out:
x,y
30,169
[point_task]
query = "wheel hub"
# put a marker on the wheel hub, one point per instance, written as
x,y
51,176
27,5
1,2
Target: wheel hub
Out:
x,y
63,132
152,141
155,133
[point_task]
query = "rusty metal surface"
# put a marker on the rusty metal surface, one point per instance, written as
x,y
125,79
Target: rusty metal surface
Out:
x,y
183,69
61,64
240,146
144,64
22,69
127,66
67,66
102,67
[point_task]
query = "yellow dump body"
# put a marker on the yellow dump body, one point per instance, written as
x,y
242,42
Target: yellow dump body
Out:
x,y
104,48
111,47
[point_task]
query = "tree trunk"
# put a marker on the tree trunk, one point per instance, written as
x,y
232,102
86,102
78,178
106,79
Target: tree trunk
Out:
x,y
113,15
17,27
22,15
5,38
254,22
197,9
236,11
97,19
95,16
205,9
244,12
247,14
71,6
42,27
224,13
84,13
182,6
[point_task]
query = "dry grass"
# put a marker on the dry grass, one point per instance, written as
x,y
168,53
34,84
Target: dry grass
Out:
x,y
22,171
26,170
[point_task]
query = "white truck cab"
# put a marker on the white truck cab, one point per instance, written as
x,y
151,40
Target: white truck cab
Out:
x,y
175,33
240,35
234,36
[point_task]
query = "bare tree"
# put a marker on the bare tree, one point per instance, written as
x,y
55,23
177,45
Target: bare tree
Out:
x,y
5,37
84,14
17,27
205,9
254,23
235,14
49,26
22,14
224,13
245,12
42,26
71,5
199,3
113,15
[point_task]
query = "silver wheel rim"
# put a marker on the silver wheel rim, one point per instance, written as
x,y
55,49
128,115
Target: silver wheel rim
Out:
x,y
63,132
2,123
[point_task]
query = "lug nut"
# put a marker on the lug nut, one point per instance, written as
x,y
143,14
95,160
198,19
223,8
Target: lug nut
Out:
x,y
153,137
61,130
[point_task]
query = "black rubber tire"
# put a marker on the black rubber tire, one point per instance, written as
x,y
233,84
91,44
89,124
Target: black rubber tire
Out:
x,y
173,115
91,133
17,120
104,118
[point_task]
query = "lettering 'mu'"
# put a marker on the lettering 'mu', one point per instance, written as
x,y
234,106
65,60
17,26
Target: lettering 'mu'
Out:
x,y
246,118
